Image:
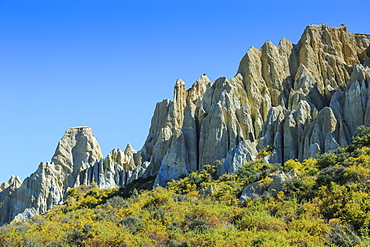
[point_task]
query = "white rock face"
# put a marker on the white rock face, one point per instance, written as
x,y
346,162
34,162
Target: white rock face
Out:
x,y
77,160
13,183
76,151
47,186
302,99
237,156
259,188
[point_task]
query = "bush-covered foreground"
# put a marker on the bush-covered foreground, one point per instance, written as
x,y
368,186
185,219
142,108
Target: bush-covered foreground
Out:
x,y
327,204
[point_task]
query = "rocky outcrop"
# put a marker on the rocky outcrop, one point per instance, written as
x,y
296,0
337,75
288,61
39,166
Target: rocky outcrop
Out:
x,y
301,99
13,183
77,160
7,201
268,186
47,186
237,156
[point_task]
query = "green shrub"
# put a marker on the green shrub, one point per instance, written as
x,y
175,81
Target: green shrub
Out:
x,y
362,136
199,225
343,235
255,170
132,223
135,187
326,160
74,238
73,192
117,202
174,243
331,174
55,243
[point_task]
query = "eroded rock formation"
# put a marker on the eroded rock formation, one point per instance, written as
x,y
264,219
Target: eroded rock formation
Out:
x,y
302,99
77,160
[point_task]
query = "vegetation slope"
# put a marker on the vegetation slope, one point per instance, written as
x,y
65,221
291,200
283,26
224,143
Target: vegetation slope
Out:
x,y
326,204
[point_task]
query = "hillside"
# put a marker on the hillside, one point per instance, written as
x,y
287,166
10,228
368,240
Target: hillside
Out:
x,y
326,203
296,100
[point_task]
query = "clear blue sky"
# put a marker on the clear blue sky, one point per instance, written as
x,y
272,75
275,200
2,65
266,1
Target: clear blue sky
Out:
x,y
105,64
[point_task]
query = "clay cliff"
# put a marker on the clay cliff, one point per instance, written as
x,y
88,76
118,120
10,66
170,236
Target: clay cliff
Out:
x,y
301,99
